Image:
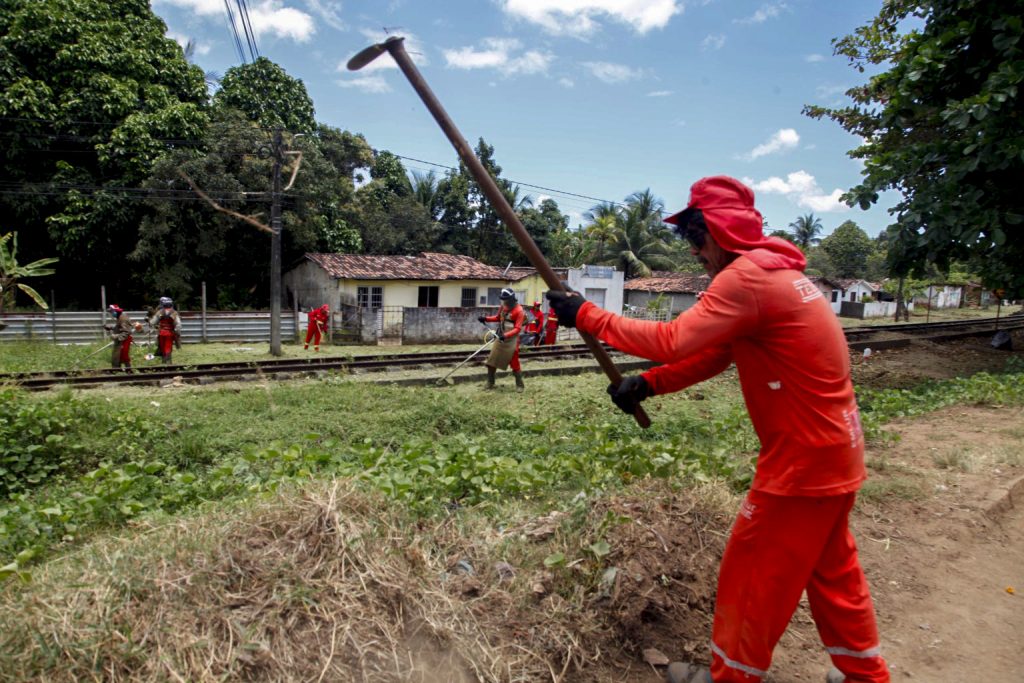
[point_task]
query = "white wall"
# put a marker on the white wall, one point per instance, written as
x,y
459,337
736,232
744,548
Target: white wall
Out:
x,y
613,296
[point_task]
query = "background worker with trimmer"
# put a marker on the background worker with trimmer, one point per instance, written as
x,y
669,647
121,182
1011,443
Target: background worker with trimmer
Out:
x,y
791,534
505,352
121,334
167,322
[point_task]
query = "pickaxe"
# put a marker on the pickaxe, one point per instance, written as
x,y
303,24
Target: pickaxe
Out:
x,y
395,47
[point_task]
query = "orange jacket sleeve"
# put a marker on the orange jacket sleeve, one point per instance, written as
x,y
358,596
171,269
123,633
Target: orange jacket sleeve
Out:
x,y
727,310
517,317
702,365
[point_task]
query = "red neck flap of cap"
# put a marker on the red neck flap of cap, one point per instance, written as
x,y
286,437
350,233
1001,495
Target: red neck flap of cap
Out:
x,y
728,208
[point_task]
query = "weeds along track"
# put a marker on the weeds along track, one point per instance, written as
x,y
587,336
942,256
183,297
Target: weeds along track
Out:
x,y
876,337
276,368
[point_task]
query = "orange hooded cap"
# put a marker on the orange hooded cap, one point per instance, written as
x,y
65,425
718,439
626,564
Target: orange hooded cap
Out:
x,y
728,209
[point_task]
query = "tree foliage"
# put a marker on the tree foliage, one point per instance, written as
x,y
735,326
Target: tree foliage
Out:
x,y
848,248
805,231
942,125
267,95
91,91
632,236
12,273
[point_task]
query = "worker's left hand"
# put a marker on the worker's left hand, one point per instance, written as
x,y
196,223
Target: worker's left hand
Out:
x,y
566,305
500,336
630,392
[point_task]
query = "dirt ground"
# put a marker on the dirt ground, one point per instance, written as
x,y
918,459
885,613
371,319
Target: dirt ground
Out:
x,y
940,526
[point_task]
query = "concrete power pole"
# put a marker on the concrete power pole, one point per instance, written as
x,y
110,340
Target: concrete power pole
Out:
x,y
275,250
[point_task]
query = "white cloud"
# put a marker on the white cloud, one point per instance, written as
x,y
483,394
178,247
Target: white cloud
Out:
x,y
566,82
811,59
659,93
781,140
329,11
801,188
267,17
373,83
498,53
613,73
284,22
763,14
583,17
183,40
714,41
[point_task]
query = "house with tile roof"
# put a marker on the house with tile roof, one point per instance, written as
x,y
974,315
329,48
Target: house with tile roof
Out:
x,y
429,279
675,291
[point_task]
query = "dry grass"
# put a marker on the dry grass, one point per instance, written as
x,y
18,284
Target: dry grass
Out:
x,y
329,584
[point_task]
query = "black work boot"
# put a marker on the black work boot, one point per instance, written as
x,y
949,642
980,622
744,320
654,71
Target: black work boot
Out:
x,y
520,387
167,359
490,378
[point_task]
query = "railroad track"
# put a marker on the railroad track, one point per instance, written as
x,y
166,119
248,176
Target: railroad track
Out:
x,y
858,338
278,368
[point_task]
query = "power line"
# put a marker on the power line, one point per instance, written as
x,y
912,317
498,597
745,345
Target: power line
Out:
x,y
234,31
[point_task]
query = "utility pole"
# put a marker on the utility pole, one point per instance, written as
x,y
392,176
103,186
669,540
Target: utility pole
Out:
x,y
275,250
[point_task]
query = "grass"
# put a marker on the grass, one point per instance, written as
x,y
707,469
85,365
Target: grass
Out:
x,y
938,315
23,356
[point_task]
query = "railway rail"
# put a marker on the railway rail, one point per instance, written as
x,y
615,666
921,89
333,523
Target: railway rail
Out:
x,y
899,335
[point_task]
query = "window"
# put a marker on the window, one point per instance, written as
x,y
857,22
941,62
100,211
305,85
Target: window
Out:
x,y
521,297
853,297
605,272
370,297
493,294
428,297
468,297
595,296
835,295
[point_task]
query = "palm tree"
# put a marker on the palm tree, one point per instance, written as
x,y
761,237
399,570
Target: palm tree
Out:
x,y
806,230
212,78
426,191
601,232
640,240
11,272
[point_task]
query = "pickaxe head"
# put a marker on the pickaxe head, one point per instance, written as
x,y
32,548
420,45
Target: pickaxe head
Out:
x,y
371,53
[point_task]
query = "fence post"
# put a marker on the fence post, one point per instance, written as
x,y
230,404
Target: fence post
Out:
x,y
53,316
295,315
103,307
202,315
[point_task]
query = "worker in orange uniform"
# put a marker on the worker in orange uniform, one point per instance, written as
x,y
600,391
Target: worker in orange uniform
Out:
x,y
551,328
121,336
316,326
535,328
505,352
791,535
167,322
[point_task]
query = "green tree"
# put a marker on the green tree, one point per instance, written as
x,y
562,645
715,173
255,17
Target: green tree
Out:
x,y
640,241
543,222
941,125
91,93
819,263
848,248
805,231
783,234
267,95
11,273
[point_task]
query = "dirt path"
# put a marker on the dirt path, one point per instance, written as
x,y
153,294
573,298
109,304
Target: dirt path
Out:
x,y
938,555
938,558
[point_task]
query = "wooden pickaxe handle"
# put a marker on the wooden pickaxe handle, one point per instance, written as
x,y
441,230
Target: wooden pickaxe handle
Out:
x,y
395,47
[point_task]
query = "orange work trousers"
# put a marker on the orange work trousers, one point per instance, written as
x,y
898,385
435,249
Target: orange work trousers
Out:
x,y
781,546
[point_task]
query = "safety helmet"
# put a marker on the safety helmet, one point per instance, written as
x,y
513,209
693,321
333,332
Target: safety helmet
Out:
x,y
536,304
115,310
166,302
507,295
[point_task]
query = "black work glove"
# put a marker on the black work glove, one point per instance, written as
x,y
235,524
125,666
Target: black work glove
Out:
x,y
500,336
628,395
566,305
482,319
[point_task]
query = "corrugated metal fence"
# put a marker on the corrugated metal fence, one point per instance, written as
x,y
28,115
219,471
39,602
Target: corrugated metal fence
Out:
x,y
80,327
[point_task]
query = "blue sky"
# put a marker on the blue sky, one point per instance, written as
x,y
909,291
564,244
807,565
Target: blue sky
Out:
x,y
593,97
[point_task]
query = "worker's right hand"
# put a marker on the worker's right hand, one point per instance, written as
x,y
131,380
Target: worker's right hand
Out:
x,y
482,319
630,393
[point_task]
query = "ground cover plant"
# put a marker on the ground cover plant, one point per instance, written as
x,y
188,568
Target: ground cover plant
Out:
x,y
75,465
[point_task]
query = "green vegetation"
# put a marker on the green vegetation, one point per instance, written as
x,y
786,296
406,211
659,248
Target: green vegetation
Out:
x,y
125,456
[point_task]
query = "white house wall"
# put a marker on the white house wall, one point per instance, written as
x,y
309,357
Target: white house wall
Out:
x,y
613,298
